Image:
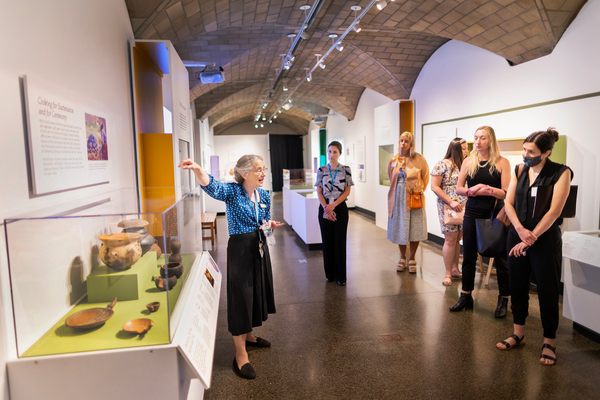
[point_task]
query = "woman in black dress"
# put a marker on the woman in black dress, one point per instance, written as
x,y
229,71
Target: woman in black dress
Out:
x,y
534,202
487,175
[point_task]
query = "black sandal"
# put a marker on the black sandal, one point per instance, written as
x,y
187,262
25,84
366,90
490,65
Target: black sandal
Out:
x,y
507,345
547,356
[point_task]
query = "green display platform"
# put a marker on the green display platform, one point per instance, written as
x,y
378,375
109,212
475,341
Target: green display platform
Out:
x,y
104,284
61,339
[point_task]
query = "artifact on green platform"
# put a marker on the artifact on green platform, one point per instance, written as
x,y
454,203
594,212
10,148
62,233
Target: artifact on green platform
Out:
x,y
120,251
138,326
154,306
165,283
139,226
171,269
91,318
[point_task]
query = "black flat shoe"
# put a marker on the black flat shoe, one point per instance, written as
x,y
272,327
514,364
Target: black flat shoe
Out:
x,y
260,342
501,307
246,372
465,302
341,283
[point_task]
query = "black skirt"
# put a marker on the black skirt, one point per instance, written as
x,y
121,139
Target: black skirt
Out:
x,y
250,297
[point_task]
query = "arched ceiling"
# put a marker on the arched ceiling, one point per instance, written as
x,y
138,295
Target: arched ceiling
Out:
x,y
248,37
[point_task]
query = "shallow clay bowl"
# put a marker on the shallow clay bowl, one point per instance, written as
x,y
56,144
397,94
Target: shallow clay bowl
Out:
x,y
90,318
133,224
154,306
138,326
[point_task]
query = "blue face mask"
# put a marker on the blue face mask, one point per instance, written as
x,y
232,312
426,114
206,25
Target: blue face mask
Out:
x,y
532,161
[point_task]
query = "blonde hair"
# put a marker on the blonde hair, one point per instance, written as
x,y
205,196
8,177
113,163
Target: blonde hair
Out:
x,y
411,151
245,164
494,153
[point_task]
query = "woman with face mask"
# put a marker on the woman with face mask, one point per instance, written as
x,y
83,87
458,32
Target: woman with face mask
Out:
x,y
333,188
534,202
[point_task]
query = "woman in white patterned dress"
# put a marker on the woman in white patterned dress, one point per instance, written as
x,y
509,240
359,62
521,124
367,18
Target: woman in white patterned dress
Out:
x,y
408,171
444,176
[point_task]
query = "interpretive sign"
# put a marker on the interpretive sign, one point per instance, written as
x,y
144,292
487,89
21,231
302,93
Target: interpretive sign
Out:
x,y
67,143
196,328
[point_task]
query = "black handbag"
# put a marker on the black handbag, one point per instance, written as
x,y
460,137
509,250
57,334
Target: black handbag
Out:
x,y
491,236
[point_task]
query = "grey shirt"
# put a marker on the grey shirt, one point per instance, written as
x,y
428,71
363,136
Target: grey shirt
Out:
x,y
343,178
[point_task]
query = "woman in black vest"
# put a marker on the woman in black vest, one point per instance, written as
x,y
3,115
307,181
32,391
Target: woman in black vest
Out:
x,y
534,202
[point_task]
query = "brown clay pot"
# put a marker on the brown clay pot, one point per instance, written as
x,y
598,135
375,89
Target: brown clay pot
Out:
x,y
171,269
120,251
165,283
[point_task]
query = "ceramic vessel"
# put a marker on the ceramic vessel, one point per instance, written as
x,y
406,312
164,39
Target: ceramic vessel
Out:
x,y
154,306
165,283
171,269
138,326
120,251
138,226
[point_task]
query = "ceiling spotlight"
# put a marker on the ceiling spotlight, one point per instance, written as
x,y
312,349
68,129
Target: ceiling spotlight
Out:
x,y
309,77
322,65
256,126
332,35
290,101
263,118
265,105
262,125
381,4
285,88
340,46
286,107
357,28
270,121
275,116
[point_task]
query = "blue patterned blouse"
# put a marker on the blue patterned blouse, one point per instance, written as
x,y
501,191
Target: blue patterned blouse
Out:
x,y
240,210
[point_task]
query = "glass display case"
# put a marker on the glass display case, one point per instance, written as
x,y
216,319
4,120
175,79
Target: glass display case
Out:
x,y
98,282
295,179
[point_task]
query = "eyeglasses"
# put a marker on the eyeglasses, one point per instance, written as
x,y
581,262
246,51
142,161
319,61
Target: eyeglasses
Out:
x,y
261,170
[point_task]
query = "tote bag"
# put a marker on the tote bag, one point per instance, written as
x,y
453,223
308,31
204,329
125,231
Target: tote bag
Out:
x,y
491,236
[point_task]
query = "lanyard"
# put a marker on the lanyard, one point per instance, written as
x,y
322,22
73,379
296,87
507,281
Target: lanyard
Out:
x,y
256,207
334,176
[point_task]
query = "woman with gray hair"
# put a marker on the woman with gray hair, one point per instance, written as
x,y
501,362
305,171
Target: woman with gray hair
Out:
x,y
250,297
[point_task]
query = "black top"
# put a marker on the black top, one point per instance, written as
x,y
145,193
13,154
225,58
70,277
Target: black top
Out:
x,y
531,207
482,206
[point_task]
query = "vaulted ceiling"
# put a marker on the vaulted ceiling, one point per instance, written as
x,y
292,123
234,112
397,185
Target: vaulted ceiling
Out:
x,y
248,38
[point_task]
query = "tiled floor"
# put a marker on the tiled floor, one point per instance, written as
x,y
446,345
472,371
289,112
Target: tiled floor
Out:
x,y
389,335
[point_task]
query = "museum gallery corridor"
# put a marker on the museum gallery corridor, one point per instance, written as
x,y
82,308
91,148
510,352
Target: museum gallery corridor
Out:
x,y
389,335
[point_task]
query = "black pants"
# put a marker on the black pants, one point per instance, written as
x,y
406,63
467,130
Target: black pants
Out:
x,y
333,236
470,259
543,259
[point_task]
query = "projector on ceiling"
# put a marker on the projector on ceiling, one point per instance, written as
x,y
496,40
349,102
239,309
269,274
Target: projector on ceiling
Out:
x,y
211,75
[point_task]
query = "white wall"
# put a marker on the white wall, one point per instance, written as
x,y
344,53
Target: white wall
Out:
x,y
79,48
460,80
376,123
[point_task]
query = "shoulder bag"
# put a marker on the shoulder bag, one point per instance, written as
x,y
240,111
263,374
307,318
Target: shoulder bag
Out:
x,y
491,236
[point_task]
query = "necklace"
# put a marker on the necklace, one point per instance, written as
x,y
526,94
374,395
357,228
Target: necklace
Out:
x,y
484,165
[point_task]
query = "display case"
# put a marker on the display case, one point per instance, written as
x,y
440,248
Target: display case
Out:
x,y
98,284
581,278
298,179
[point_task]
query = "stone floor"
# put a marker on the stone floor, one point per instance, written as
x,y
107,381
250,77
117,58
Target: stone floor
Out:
x,y
389,335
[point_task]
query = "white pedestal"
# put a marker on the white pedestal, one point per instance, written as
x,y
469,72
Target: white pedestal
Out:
x,y
301,212
581,277
179,370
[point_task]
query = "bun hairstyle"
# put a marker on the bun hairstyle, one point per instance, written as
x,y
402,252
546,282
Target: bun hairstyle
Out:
x,y
544,140
244,165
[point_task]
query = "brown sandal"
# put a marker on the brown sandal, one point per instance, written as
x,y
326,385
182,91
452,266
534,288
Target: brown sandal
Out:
x,y
412,266
401,267
507,345
544,357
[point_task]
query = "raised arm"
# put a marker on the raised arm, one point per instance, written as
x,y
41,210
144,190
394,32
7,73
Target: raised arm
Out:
x,y
201,175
